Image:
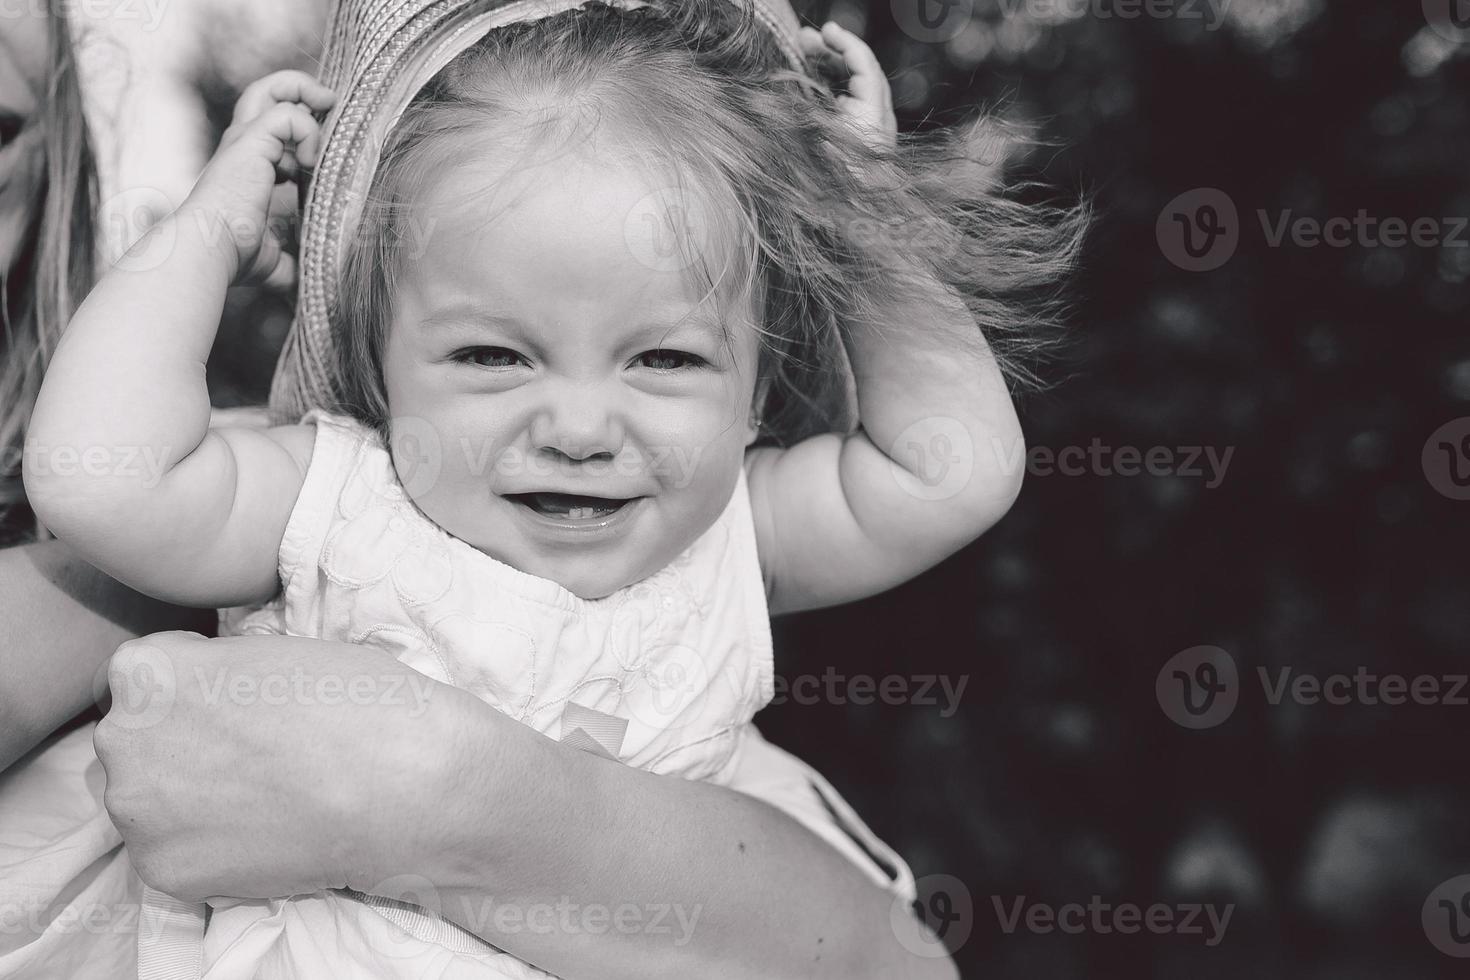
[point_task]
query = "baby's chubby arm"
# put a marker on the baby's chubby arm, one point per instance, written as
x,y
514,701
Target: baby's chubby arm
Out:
x,y
120,460
932,464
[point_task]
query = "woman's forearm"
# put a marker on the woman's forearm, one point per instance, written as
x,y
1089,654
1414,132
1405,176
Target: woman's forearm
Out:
x,y
592,869
416,790
60,620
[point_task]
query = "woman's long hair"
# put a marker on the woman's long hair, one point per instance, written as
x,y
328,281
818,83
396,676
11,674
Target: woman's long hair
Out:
x,y
55,263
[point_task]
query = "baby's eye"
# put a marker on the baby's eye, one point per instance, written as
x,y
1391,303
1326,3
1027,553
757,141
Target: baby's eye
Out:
x,y
493,357
669,360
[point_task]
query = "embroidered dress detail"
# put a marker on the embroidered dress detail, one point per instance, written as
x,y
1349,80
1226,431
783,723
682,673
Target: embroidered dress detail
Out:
x,y
664,674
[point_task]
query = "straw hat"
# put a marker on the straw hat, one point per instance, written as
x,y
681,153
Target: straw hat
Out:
x,y
379,53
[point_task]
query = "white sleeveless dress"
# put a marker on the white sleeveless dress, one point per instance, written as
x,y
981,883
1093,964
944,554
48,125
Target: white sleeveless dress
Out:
x,y
353,556
665,674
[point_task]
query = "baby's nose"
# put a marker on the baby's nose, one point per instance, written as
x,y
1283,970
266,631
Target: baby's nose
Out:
x,y
581,424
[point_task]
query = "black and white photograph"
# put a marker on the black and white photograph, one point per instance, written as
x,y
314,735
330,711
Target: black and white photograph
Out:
x,y
624,489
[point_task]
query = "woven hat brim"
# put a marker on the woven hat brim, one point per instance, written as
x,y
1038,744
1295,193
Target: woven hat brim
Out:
x,y
378,56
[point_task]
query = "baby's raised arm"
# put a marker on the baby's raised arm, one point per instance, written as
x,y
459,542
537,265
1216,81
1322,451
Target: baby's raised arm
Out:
x,y
120,460
935,460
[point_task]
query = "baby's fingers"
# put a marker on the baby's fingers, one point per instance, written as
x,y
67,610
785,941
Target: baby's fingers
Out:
x,y
866,81
256,157
827,61
281,86
286,135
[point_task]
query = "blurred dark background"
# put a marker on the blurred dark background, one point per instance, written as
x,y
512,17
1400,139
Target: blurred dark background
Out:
x,y
1325,548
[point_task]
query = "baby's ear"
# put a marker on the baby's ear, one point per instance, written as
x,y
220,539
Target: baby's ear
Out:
x,y
754,425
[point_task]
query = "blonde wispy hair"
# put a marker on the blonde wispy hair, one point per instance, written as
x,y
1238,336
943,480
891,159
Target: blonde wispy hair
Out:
x,y
833,229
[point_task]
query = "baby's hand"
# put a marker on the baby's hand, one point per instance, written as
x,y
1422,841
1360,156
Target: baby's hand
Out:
x,y
868,104
272,138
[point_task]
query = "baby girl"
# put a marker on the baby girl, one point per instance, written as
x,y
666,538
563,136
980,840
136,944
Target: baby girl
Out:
x,y
589,428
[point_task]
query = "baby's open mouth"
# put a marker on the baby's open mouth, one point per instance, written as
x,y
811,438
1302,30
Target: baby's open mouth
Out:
x,y
569,506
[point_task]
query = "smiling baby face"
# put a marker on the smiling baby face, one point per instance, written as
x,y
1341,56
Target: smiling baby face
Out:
x,y
591,394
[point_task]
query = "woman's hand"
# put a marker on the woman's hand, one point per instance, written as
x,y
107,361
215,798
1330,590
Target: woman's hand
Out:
x,y
252,767
247,767
868,102
273,137
46,673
